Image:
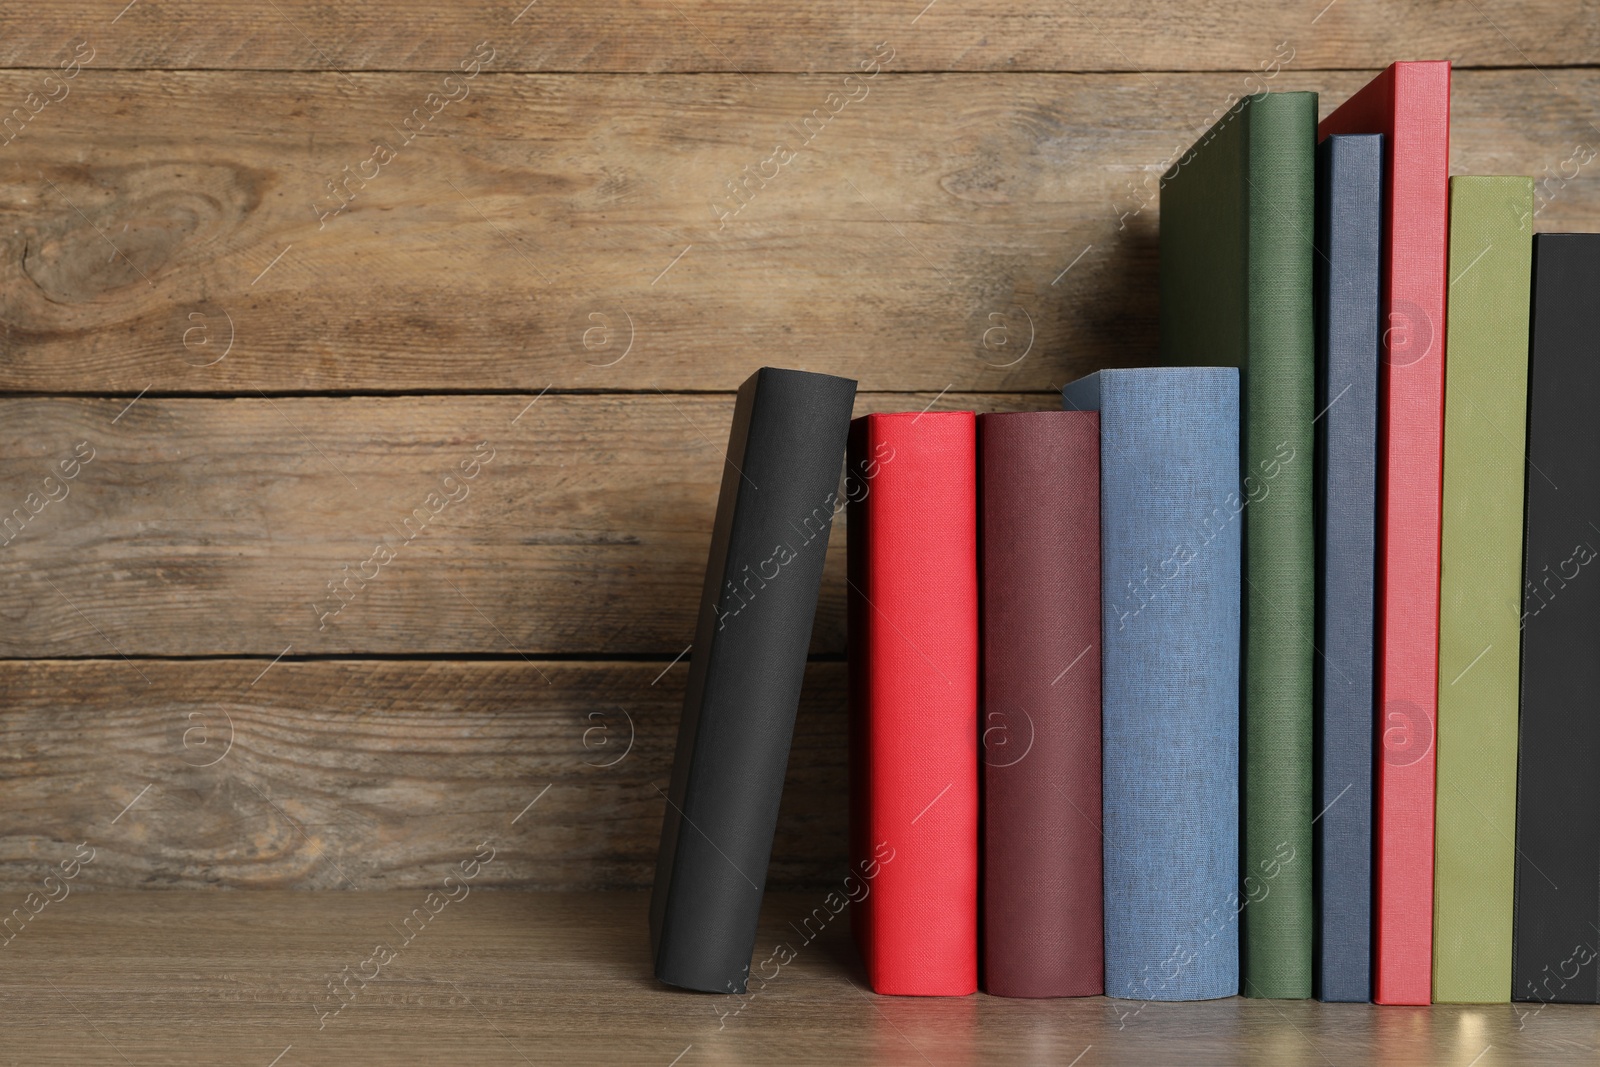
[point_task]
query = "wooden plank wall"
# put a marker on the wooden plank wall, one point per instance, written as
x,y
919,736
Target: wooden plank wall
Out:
x,y
366,368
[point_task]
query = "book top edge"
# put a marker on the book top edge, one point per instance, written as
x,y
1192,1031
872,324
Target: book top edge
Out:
x,y
1565,237
913,416
809,375
1039,416
1420,66
1486,179
1133,374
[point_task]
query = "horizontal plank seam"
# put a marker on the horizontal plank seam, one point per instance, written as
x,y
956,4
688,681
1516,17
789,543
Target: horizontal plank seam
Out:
x,y
342,394
590,658
731,73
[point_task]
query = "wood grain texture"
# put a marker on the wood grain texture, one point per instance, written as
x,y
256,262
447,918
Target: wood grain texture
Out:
x,y
348,525
200,216
371,774
824,35
509,978
987,232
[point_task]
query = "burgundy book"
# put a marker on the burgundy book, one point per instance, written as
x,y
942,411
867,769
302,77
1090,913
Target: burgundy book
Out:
x,y
1039,485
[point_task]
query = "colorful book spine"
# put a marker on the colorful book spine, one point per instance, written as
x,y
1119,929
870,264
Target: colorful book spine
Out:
x,y
1349,245
913,617
1170,526
1557,947
768,542
1480,579
1409,103
1237,220
1040,579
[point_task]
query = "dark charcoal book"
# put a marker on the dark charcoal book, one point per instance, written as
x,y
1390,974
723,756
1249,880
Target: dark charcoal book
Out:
x,y
1558,803
1350,244
1039,481
779,495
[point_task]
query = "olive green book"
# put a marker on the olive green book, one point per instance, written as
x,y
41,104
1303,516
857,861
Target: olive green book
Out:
x,y
1480,586
1238,218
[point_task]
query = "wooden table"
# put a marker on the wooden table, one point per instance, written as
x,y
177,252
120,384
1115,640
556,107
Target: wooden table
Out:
x,y
508,977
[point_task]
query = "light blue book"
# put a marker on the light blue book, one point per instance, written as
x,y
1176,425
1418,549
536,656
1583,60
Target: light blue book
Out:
x,y
1171,516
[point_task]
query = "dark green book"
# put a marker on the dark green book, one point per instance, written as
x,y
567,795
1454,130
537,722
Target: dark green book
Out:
x,y
1238,218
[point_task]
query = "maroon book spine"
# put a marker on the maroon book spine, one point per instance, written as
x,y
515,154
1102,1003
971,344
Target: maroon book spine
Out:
x,y
1039,481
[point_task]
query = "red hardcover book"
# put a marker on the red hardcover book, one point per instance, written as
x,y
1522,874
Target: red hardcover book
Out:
x,y
1410,105
1043,934
911,482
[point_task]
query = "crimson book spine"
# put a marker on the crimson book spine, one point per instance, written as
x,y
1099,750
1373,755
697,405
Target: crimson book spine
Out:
x,y
1409,103
913,662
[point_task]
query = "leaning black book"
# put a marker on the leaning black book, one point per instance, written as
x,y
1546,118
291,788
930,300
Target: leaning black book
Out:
x,y
780,489
1556,942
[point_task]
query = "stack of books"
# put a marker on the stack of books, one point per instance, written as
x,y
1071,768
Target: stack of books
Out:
x,y
1258,671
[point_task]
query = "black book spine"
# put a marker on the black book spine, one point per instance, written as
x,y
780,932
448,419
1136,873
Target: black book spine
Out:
x,y
1349,245
1555,940
779,495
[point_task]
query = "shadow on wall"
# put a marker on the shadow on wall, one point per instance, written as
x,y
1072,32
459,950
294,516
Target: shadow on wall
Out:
x,y
1120,316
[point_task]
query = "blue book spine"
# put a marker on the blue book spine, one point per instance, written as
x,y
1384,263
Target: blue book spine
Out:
x,y
1170,522
1349,245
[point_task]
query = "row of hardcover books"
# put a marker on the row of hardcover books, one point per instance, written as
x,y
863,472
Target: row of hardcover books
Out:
x,y
1214,681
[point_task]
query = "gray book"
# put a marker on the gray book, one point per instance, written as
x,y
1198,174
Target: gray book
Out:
x,y
1350,247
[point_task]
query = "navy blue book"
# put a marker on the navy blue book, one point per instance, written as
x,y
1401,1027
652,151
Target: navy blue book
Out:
x,y
1171,508
1349,244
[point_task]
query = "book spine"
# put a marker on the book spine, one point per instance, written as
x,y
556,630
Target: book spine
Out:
x,y
913,575
1410,103
1279,389
1349,238
1558,808
1170,535
1480,579
763,575
1040,581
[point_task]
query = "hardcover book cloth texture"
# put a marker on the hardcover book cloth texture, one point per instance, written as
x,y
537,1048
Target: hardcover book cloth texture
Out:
x,y
1170,523
1237,224
779,495
913,617
1409,103
1480,581
1349,245
1040,576
1558,805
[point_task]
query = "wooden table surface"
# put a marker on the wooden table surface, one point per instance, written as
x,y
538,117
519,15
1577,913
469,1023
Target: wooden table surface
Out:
x,y
514,977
